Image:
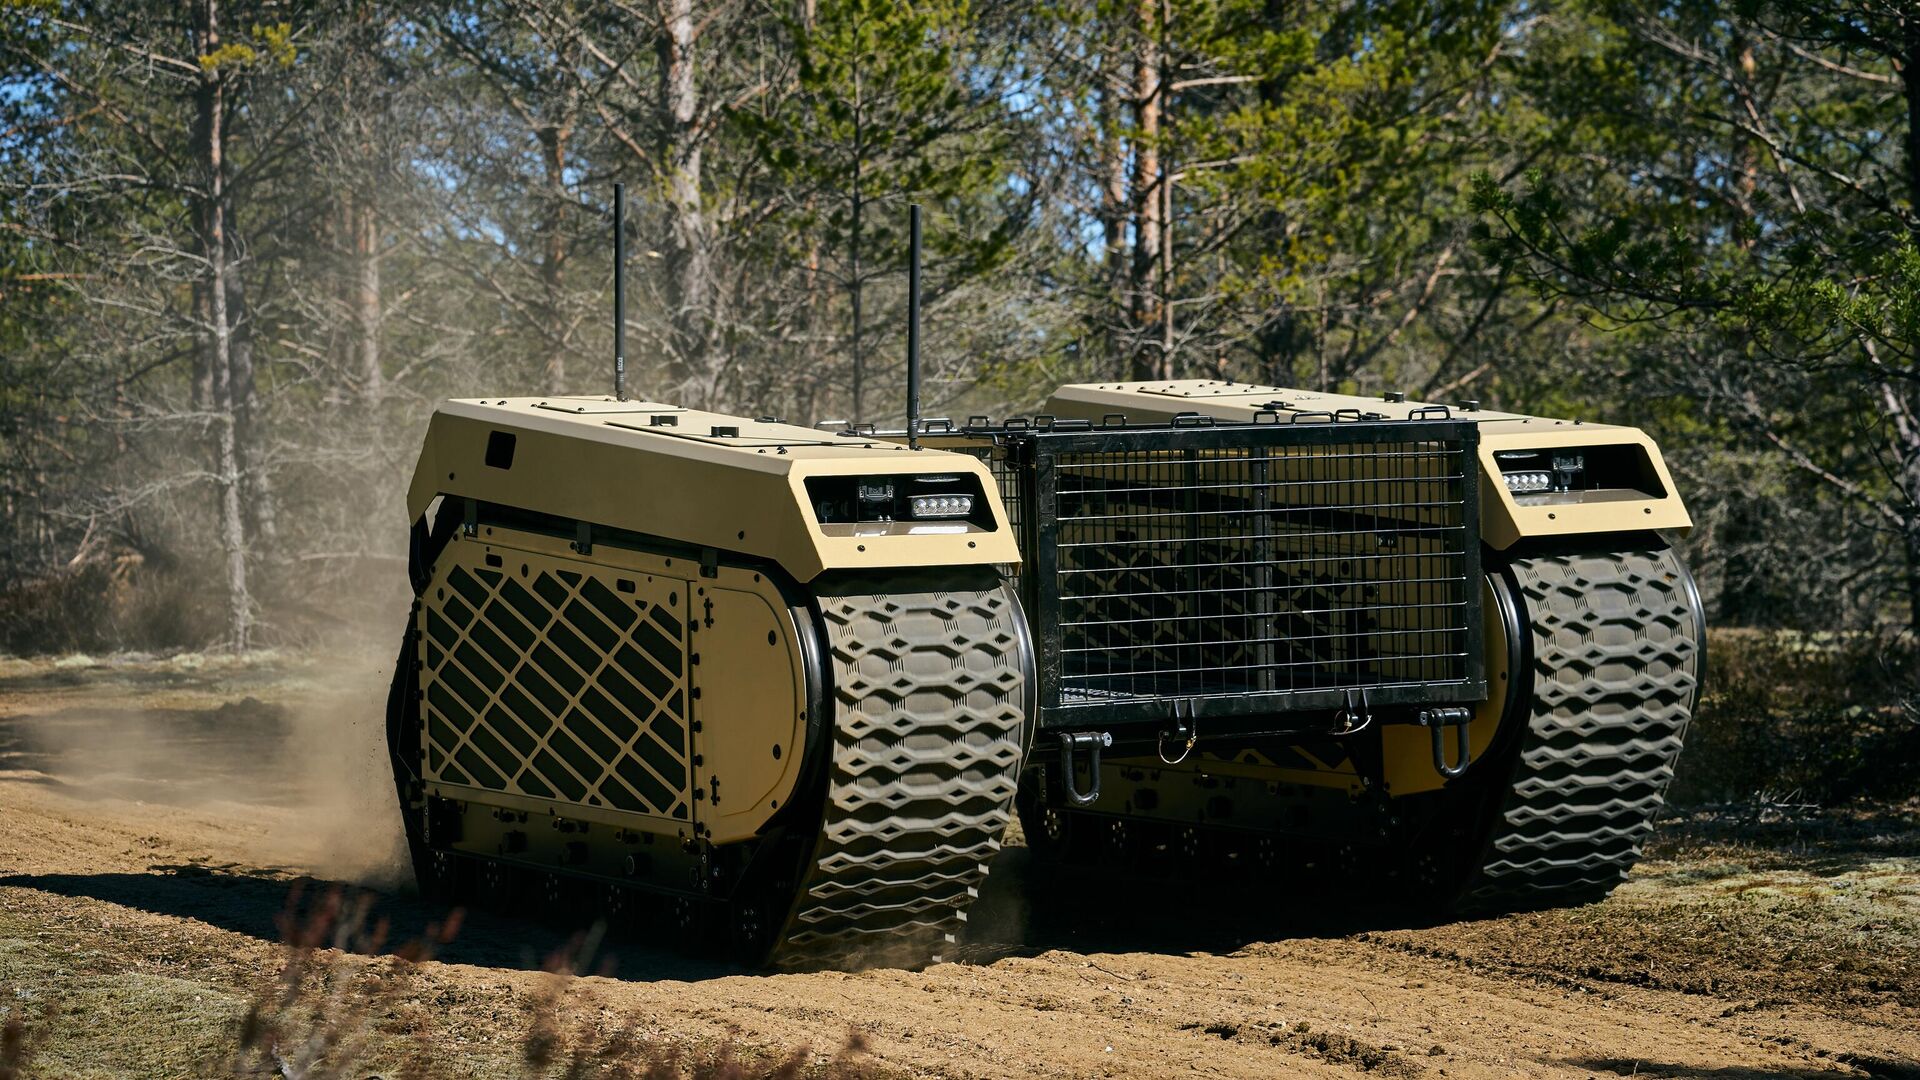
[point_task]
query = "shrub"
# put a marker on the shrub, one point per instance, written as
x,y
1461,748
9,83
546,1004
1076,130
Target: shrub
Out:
x,y
107,605
1810,718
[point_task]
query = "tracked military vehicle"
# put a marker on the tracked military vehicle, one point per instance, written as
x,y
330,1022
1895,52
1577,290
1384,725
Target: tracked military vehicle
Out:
x,y
782,689
770,676
1449,644
787,685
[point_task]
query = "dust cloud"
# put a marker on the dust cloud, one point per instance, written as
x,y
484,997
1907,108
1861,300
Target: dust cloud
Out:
x,y
348,827
280,756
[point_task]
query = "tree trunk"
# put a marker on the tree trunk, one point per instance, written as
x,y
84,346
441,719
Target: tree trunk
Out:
x,y
1150,361
201,394
1910,83
689,273
219,336
1912,550
1908,434
1743,158
369,380
256,484
1114,95
1897,407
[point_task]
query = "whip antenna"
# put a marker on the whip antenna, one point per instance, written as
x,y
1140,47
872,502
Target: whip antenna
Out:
x,y
913,326
620,292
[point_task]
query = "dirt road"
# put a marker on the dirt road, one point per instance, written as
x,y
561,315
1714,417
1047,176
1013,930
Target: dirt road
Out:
x,y
155,815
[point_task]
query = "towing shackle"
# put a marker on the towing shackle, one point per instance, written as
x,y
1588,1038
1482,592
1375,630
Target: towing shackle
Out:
x,y
1092,742
1435,721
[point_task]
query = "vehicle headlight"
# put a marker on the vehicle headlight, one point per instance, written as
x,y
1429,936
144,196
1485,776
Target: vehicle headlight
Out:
x,y
942,506
1529,482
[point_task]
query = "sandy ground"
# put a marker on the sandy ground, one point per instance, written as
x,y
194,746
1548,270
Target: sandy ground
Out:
x,y
155,817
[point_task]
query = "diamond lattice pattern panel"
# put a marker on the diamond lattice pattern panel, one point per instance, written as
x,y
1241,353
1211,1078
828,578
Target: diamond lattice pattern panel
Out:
x,y
566,682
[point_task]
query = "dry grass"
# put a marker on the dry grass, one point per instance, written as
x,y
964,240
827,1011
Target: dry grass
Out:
x,y
330,1013
330,1005
1760,906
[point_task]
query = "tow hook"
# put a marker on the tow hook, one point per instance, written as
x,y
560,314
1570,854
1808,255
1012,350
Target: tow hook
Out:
x,y
1092,742
1456,717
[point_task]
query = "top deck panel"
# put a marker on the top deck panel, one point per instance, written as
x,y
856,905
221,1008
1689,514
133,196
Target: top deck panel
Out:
x,y
1234,400
666,428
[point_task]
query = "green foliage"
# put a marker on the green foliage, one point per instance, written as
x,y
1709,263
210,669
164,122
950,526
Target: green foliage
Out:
x,y
880,113
1694,217
270,44
885,108
1320,154
1724,196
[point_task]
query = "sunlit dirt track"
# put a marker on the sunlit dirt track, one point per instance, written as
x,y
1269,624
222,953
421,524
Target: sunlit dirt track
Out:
x,y
154,817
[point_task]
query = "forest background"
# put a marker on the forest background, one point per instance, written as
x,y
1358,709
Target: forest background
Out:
x,y
245,245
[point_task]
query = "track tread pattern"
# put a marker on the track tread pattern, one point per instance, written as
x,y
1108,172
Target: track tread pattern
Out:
x,y
1615,667
928,737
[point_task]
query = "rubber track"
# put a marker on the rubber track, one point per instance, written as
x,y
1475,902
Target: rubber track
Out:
x,y
1615,662
930,716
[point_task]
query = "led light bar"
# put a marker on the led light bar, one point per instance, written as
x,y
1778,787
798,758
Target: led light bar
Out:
x,y
1529,482
942,506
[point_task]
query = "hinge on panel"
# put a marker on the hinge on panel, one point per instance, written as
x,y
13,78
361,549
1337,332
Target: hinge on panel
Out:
x,y
470,517
1185,731
709,562
582,538
1354,719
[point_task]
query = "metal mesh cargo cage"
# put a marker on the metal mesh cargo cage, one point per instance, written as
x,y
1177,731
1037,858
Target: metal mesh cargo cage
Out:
x,y
1245,569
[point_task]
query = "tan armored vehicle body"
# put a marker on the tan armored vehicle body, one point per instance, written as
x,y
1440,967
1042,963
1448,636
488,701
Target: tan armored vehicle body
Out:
x,y
662,654
787,685
669,471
